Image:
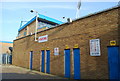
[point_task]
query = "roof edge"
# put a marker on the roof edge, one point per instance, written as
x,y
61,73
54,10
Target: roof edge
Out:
x,y
29,22
6,42
105,10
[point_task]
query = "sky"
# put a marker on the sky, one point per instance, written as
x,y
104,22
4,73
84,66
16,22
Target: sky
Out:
x,y
12,13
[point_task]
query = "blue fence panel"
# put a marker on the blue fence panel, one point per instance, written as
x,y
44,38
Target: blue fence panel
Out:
x,y
4,59
10,59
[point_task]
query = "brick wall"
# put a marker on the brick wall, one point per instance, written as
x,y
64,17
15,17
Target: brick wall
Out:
x,y
29,29
5,47
32,27
103,26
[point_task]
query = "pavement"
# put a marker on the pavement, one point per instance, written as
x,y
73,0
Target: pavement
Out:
x,y
14,72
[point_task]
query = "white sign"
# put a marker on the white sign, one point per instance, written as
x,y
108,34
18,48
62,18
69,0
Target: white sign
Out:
x,y
43,38
95,47
56,51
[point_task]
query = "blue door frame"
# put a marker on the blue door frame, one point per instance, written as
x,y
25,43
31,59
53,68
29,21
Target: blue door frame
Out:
x,y
76,52
31,56
47,61
43,61
114,62
67,63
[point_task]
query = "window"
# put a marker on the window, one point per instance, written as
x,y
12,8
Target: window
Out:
x,y
24,33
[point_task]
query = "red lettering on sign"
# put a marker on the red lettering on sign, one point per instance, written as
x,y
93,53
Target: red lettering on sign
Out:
x,y
44,38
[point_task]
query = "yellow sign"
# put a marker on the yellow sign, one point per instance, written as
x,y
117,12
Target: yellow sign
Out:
x,y
66,47
43,49
48,48
76,46
113,43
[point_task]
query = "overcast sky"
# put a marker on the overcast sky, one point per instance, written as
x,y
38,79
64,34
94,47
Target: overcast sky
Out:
x,y
12,13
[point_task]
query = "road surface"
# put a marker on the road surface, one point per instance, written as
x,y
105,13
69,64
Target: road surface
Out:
x,y
14,72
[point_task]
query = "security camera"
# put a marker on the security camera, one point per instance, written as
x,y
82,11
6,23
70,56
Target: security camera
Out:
x,y
32,11
69,20
63,17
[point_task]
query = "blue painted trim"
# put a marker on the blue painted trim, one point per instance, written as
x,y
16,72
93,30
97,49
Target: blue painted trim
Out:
x,y
27,23
6,42
42,17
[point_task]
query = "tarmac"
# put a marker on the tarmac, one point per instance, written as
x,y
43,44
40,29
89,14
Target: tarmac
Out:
x,y
15,72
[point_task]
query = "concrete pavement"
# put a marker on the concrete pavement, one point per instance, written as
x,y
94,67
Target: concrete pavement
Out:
x,y
14,72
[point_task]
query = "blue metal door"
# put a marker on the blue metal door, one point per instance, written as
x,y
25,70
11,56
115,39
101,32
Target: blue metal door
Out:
x,y
31,56
119,61
76,52
43,61
47,61
67,62
114,61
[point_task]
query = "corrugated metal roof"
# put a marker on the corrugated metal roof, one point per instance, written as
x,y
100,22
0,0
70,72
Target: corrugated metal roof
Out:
x,y
41,17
